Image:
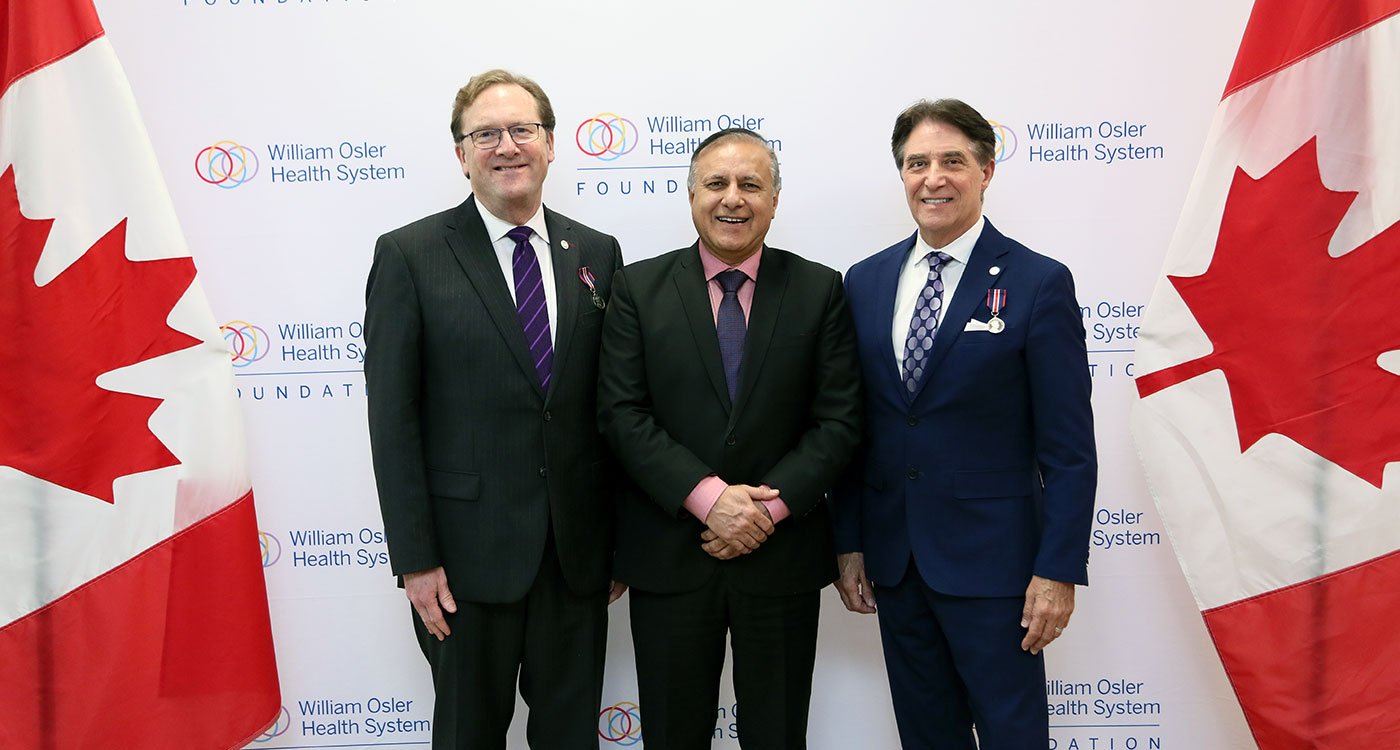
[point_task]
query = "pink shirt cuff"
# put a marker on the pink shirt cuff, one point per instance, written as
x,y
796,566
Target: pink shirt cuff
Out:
x,y
704,496
706,493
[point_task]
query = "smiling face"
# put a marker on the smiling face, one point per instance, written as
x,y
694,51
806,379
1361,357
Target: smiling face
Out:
x,y
734,198
943,181
508,180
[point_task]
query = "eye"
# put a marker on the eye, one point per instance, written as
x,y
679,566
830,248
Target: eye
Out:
x,y
519,130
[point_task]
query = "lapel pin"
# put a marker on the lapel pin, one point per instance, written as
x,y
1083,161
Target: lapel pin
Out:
x,y
994,270
564,244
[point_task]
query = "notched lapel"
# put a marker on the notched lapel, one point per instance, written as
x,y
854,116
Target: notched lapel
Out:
x,y
768,295
971,292
695,300
472,247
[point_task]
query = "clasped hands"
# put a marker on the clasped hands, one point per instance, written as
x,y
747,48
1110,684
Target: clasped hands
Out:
x,y
738,522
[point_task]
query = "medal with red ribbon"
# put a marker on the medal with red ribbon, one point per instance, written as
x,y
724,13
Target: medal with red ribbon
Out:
x,y
996,300
587,277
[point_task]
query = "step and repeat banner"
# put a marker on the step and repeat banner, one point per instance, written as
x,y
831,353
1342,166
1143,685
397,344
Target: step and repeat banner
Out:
x,y
293,132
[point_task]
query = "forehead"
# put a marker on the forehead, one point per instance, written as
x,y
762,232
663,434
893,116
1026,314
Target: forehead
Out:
x,y
931,137
501,103
735,156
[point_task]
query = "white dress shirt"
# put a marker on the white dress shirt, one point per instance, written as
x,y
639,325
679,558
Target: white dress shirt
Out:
x,y
913,277
504,246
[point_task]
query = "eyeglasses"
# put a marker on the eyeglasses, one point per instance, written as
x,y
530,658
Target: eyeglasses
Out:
x,y
525,132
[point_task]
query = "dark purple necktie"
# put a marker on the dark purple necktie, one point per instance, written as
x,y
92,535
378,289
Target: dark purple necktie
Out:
x,y
530,303
731,327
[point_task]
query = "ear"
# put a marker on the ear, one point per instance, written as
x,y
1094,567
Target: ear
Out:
x,y
461,155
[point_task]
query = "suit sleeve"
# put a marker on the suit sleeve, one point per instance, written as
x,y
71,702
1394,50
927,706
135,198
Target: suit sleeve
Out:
x,y
393,328
1057,363
664,469
810,469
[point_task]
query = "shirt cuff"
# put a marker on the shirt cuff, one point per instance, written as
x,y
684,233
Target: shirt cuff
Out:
x,y
777,509
704,496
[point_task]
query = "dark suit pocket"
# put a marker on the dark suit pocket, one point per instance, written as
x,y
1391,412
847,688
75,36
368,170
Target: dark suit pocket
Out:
x,y
458,485
994,483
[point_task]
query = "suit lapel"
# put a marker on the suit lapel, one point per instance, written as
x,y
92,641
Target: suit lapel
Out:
x,y
763,319
971,293
567,256
695,300
466,236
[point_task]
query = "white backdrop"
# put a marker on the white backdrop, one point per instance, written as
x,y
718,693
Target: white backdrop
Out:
x,y
293,132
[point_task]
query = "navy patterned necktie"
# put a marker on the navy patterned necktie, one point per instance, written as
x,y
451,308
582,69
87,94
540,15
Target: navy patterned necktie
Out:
x,y
924,324
530,305
731,327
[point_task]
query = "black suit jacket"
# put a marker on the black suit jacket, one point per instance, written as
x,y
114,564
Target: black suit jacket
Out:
x,y
472,459
665,409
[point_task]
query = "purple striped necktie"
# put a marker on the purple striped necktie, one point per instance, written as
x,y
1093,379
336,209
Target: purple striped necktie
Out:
x,y
530,304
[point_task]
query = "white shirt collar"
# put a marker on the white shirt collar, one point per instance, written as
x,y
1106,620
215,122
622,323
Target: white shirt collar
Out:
x,y
959,249
496,227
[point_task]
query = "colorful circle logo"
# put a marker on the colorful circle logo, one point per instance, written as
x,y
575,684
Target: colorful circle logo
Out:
x,y
226,164
278,728
1006,141
247,343
271,548
606,136
621,724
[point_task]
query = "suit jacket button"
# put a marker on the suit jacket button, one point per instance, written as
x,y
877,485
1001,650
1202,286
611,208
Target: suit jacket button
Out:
x,y
913,421
731,440
547,416
544,472
913,473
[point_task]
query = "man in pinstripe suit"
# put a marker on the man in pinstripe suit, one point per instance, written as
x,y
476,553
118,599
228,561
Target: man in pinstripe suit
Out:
x,y
482,326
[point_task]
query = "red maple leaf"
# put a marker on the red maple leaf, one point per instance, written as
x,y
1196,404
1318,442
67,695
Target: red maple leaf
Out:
x,y
101,313
1295,331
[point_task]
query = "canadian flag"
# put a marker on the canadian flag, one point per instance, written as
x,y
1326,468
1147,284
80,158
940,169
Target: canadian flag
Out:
x,y
133,611
1268,417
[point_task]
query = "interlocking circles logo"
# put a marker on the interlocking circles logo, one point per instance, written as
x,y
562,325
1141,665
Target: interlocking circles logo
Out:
x,y
247,343
606,136
226,164
278,728
620,724
271,549
1006,141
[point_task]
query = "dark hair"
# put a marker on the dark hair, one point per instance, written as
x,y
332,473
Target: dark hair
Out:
x,y
953,112
735,133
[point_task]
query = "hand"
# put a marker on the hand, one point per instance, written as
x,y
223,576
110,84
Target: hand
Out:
x,y
739,518
426,589
854,588
720,549
1049,605
615,590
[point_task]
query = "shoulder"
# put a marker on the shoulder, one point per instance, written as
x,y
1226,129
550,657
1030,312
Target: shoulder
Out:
x,y
798,268
584,232
432,225
893,254
1014,251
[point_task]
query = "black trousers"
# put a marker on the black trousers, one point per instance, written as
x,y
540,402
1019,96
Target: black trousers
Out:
x,y
679,644
553,639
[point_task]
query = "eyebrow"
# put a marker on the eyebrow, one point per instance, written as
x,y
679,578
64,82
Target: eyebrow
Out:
x,y
953,152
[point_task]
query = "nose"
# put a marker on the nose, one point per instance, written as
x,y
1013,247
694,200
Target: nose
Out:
x,y
507,146
733,197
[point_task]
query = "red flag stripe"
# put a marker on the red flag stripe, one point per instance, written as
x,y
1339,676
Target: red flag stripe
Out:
x,y
39,32
1313,664
1282,32
169,651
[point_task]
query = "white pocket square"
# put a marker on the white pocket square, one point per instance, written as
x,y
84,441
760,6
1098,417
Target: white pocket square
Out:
x,y
975,325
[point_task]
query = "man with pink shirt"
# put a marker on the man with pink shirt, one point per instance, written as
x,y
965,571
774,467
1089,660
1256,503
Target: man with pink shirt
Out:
x,y
729,389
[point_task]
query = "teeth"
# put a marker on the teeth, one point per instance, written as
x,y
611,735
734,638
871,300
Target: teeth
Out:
x,y
938,200
731,220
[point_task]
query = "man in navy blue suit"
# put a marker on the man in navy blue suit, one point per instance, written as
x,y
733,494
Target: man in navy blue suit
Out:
x,y
968,507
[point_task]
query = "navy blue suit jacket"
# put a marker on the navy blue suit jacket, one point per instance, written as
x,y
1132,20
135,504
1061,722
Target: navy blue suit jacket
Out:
x,y
986,475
